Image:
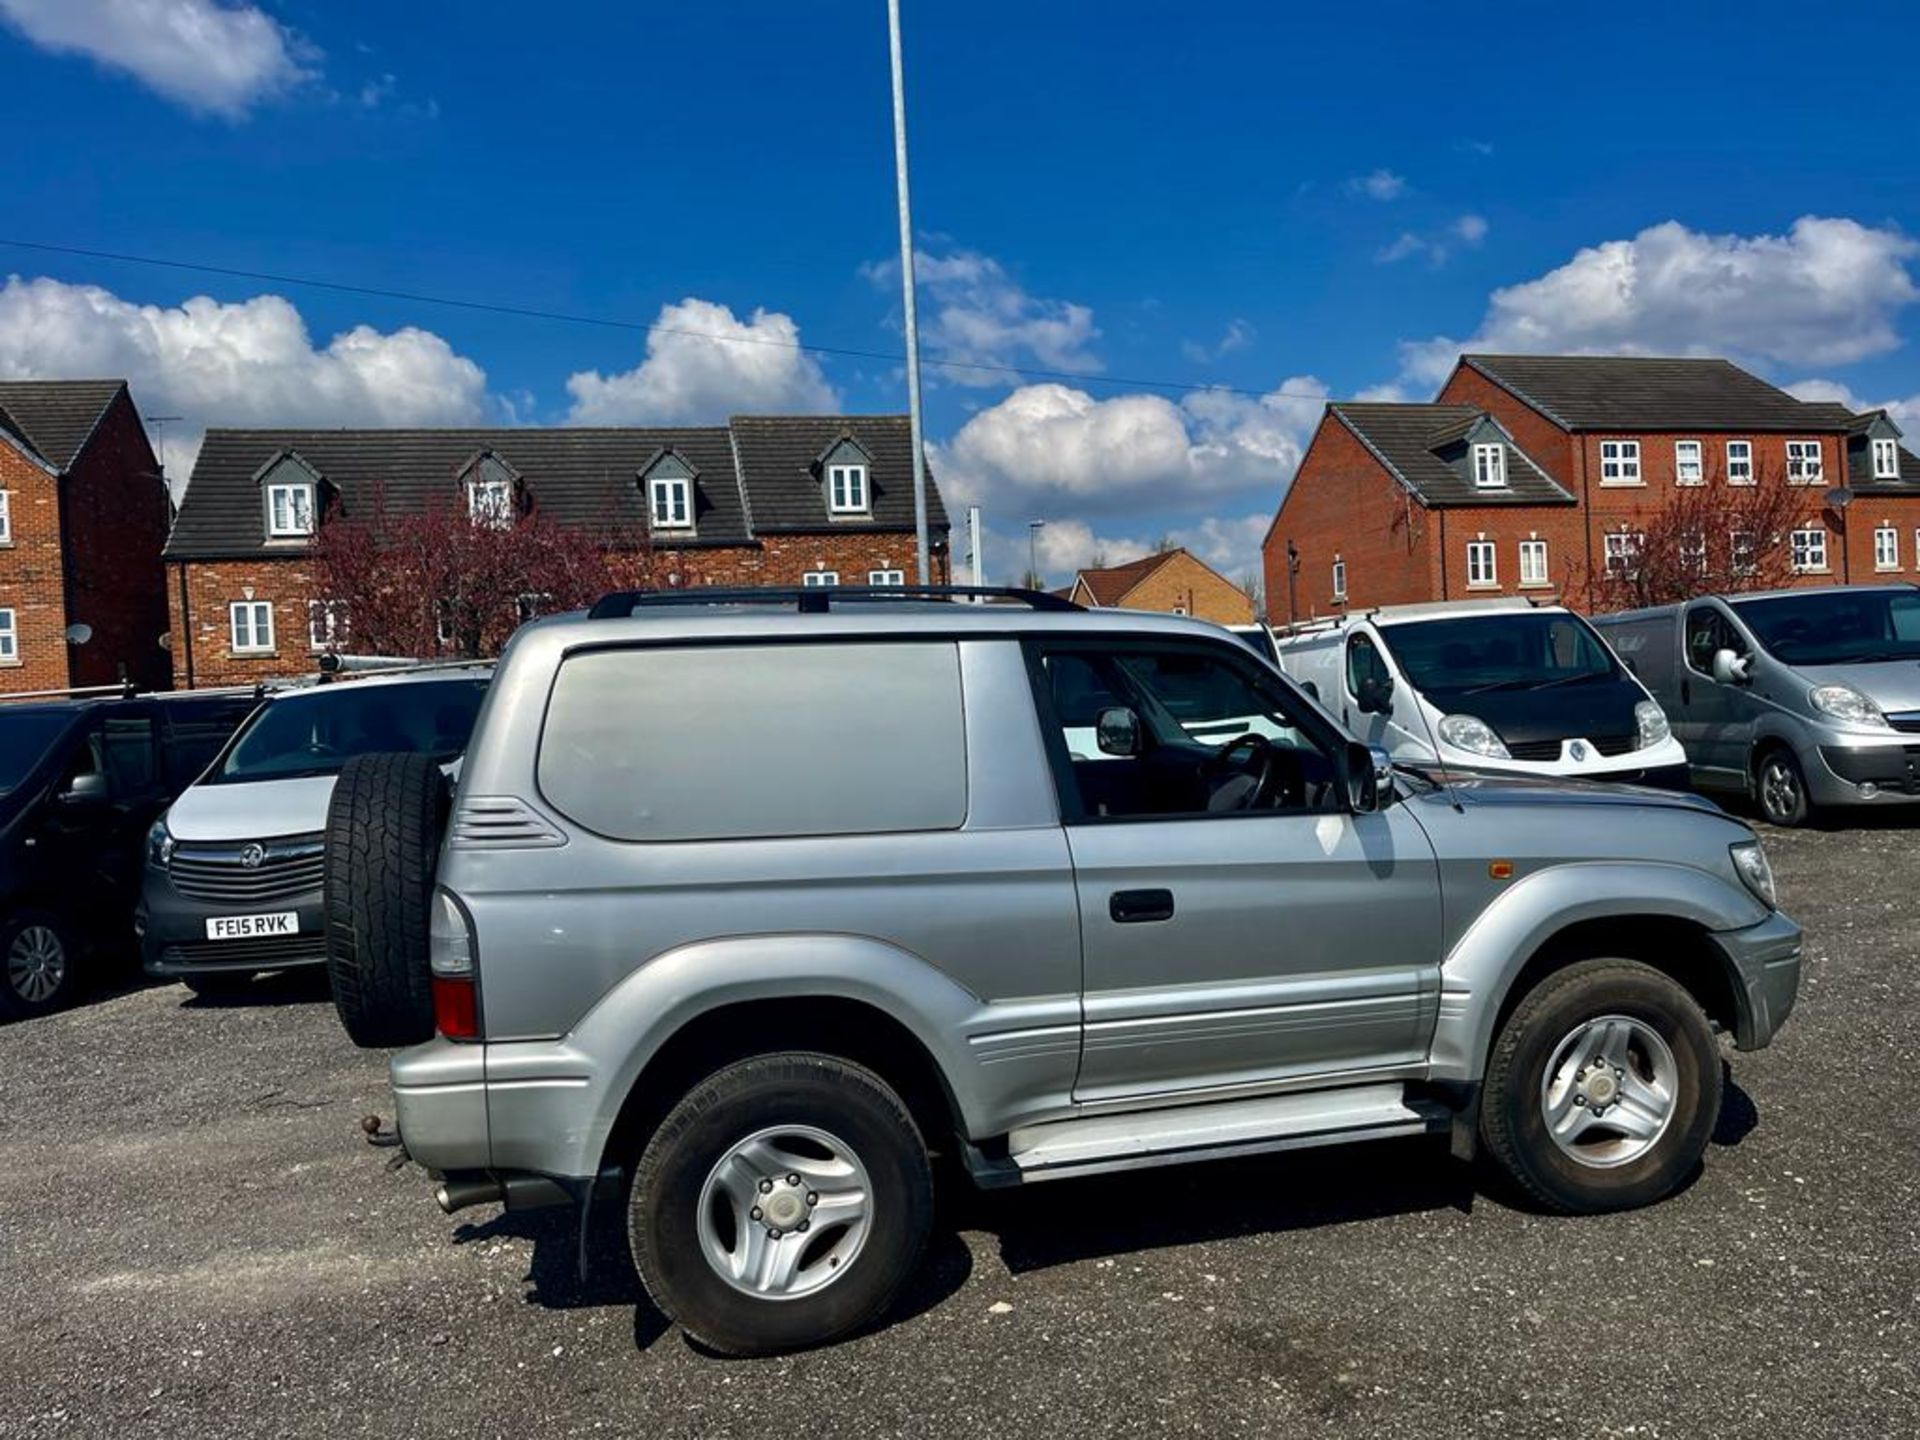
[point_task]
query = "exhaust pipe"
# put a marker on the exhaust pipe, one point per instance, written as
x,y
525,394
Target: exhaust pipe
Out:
x,y
453,1195
516,1192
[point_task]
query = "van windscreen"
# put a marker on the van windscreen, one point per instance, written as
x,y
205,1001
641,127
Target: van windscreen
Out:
x,y
1514,650
313,732
1836,627
24,737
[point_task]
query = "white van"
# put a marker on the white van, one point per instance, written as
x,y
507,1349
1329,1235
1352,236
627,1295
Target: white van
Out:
x,y
1494,685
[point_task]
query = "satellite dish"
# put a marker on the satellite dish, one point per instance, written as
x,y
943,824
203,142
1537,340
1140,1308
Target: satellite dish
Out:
x,y
1839,497
79,633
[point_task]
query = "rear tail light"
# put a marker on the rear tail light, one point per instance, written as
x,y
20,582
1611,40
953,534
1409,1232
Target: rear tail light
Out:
x,y
456,994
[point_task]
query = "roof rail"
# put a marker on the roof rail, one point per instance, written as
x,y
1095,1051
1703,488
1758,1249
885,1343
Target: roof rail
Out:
x,y
815,599
124,691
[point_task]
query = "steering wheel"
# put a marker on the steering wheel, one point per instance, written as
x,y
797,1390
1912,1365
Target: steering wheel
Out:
x,y
1259,751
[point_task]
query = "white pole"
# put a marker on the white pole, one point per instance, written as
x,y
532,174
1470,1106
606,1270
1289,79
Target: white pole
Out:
x,y
973,541
907,298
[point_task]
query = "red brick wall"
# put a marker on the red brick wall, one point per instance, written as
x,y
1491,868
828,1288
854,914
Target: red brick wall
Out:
x,y
1184,586
1343,504
288,583
116,517
1561,526
30,584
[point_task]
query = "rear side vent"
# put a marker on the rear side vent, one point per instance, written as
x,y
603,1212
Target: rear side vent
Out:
x,y
500,822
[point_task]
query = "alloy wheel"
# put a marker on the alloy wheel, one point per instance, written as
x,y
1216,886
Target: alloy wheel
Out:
x,y
1779,790
785,1212
1609,1091
36,964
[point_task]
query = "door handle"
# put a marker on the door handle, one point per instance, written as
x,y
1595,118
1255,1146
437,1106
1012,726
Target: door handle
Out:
x,y
1138,907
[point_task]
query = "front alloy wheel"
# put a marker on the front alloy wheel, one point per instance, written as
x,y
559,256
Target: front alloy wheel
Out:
x,y
41,974
1783,790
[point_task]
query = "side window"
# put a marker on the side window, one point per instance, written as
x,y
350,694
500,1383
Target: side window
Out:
x,y
1707,633
786,740
126,744
1364,663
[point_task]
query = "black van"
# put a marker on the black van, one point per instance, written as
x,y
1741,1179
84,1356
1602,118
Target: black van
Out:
x,y
81,782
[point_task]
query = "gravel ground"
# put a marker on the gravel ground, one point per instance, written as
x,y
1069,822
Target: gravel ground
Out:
x,y
194,1241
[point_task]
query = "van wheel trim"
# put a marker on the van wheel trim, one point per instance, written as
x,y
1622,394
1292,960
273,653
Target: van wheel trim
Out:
x,y
36,963
1781,793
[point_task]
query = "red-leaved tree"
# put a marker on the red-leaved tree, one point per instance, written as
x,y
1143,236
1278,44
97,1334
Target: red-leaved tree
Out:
x,y
439,582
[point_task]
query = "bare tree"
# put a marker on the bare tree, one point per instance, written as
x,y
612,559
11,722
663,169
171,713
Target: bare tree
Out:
x,y
1712,537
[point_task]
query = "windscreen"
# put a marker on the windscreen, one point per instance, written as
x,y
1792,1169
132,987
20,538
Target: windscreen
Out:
x,y
1836,627
24,737
314,732
1514,650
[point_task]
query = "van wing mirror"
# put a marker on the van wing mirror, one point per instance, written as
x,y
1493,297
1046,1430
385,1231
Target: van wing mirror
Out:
x,y
1375,695
1731,669
1370,786
1116,730
85,790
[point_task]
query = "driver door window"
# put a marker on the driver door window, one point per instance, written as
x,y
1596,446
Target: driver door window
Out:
x,y
1364,663
1708,633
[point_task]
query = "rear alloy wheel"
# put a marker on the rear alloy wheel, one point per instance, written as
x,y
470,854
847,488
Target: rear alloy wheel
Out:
x,y
782,1203
1782,789
1602,1088
41,966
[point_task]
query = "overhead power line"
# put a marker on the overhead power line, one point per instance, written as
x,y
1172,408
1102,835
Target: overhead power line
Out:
x,y
605,322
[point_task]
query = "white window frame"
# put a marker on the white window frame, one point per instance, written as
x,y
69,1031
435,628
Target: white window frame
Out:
x,y
9,637
326,623
299,510
1339,578
1741,542
1490,467
1620,462
1534,550
6,517
1740,466
260,640
1886,548
1620,549
853,477
677,492
443,635
1809,541
1483,556
1806,462
886,577
490,502
819,579
1886,461
1694,548
1681,461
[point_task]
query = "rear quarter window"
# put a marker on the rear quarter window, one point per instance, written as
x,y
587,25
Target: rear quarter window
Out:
x,y
756,742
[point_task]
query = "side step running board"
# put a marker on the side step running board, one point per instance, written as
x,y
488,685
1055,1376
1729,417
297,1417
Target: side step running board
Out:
x,y
1203,1132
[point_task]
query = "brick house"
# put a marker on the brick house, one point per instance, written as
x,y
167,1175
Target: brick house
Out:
x,y
1172,582
1532,474
762,500
83,514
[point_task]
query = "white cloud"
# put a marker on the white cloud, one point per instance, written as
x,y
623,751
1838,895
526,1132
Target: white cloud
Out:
x,y
1826,293
704,363
247,363
1238,335
1062,547
208,55
1055,450
975,314
1379,184
1904,413
1470,229
1466,231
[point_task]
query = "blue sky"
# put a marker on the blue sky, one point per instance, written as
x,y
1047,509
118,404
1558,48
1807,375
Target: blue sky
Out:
x,y
1290,201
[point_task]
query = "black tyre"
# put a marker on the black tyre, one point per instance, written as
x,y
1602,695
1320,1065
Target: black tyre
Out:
x,y
382,843
39,964
1602,1089
223,986
1780,786
782,1203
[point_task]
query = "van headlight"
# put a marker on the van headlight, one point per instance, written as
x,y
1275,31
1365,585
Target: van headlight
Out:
x,y
1843,702
1651,721
159,844
1751,861
1474,735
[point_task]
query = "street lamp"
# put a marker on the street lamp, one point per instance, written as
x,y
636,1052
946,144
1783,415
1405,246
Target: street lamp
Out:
x,y
922,564
1034,527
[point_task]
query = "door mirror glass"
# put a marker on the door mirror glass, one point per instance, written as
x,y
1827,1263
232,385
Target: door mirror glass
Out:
x,y
1117,731
1374,694
1729,668
1370,786
85,790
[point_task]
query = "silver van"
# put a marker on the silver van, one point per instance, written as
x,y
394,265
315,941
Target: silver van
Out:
x,y
1795,698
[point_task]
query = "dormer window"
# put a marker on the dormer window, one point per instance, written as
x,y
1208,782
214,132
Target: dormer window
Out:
x,y
1886,459
671,502
847,489
1490,467
490,502
289,511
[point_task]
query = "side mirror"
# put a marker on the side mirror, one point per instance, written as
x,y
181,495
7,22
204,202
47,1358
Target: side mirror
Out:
x,y
1117,731
1370,787
85,791
1375,695
1730,669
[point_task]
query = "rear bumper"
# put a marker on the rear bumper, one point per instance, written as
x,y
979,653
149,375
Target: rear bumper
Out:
x,y
1765,961
440,1104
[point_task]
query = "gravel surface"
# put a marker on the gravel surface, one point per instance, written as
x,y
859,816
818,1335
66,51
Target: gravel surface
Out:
x,y
194,1241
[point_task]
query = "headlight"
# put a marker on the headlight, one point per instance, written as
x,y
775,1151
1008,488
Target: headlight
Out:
x,y
1652,723
159,844
1843,702
1751,861
1474,735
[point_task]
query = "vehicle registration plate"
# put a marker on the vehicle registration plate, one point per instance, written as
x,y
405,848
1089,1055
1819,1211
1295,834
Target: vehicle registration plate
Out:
x,y
247,927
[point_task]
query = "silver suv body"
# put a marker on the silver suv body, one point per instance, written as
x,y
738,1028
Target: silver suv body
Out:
x,y
688,839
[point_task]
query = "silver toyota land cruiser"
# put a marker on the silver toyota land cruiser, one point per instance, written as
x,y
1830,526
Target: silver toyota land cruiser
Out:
x,y
749,902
